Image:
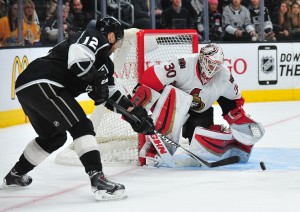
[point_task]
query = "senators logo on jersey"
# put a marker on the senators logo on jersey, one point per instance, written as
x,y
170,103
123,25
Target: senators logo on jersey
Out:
x,y
197,104
231,78
182,62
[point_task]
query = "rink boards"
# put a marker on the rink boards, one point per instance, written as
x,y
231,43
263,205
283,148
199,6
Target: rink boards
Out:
x,y
264,71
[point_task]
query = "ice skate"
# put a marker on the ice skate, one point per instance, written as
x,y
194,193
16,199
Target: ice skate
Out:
x,y
13,180
105,189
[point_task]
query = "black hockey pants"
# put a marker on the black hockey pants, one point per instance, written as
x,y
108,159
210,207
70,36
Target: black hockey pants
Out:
x,y
52,112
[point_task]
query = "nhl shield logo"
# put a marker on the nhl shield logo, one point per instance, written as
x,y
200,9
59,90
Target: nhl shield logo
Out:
x,y
56,123
267,64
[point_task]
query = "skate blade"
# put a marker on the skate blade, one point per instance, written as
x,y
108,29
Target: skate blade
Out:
x,y
104,196
4,186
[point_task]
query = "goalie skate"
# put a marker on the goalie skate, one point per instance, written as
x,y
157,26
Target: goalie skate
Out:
x,y
105,189
14,180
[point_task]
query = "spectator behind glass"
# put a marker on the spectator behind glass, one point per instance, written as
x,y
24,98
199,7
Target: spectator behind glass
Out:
x,y
255,20
197,6
236,23
9,26
158,13
165,4
31,30
89,6
2,8
50,32
79,19
283,26
273,7
44,10
142,13
193,6
176,17
215,22
295,21
67,4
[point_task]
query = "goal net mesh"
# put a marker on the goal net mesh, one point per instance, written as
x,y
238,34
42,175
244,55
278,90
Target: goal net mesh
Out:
x,y
118,143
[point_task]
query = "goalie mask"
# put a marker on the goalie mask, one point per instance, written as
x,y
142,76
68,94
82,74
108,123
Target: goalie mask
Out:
x,y
211,58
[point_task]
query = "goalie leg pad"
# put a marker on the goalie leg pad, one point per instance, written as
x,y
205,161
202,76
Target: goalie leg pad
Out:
x,y
213,145
156,150
241,150
171,112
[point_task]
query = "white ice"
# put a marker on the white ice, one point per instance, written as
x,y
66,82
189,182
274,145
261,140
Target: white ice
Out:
x,y
234,188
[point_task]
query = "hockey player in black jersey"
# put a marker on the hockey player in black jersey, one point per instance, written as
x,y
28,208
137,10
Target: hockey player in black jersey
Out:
x,y
46,91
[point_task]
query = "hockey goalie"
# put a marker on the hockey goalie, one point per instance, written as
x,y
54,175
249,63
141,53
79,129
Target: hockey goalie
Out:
x,y
180,94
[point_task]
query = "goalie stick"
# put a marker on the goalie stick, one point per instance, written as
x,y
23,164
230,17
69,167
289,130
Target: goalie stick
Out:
x,y
223,162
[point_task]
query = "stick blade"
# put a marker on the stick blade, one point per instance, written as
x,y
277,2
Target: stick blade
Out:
x,y
226,161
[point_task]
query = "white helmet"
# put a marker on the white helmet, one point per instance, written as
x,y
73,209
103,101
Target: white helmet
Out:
x,y
211,57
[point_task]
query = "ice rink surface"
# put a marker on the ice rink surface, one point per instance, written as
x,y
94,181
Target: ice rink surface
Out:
x,y
234,188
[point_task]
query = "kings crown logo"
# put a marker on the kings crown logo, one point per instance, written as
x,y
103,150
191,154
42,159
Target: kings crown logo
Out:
x,y
267,64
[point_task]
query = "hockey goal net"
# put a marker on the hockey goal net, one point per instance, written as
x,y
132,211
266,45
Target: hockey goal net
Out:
x,y
118,143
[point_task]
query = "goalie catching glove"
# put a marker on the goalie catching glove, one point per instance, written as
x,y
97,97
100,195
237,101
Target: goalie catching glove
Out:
x,y
145,126
243,128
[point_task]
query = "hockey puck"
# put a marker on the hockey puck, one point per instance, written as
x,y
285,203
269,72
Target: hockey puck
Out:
x,y
262,166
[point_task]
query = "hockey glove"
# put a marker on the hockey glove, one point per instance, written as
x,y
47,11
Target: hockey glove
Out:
x,y
146,125
100,91
243,128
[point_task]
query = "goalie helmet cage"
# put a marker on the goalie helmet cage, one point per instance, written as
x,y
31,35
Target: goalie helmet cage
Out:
x,y
118,143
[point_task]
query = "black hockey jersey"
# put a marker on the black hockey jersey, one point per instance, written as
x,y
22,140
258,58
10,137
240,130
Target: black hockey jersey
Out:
x,y
255,16
73,64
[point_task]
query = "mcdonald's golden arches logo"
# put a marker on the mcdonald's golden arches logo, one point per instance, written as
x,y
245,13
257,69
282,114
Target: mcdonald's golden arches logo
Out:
x,y
19,66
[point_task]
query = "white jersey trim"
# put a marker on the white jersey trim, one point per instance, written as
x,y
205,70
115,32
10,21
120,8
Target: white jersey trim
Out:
x,y
37,82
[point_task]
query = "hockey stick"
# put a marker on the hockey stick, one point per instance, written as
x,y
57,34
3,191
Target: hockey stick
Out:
x,y
223,162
